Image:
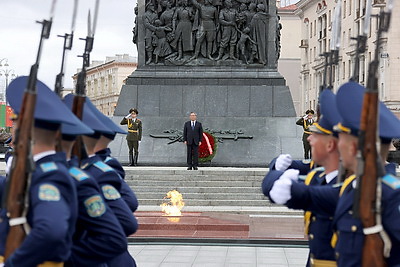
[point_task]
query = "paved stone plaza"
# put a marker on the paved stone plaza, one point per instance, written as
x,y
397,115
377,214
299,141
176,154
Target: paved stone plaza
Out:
x,y
217,256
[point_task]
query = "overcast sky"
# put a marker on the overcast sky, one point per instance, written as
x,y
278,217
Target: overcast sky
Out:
x,y
19,35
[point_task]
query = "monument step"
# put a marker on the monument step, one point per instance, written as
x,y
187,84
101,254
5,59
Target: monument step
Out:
x,y
204,196
188,189
255,211
173,183
209,202
150,177
206,187
135,171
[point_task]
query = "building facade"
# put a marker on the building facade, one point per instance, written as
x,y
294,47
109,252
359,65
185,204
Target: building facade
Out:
x,y
104,80
316,33
289,63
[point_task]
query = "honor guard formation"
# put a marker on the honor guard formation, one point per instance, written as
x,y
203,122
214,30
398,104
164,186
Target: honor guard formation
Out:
x,y
66,203
349,194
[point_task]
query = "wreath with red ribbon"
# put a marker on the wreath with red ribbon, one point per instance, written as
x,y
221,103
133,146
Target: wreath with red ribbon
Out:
x,y
208,147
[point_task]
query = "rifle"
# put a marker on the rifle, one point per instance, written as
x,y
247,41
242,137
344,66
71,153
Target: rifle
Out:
x,y
68,40
78,149
331,57
361,43
367,205
22,164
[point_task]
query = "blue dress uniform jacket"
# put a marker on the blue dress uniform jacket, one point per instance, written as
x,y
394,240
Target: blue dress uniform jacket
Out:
x,y
126,192
105,155
350,235
125,259
52,215
318,224
110,185
98,235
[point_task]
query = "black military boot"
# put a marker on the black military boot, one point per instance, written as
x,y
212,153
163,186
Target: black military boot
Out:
x,y
135,159
131,161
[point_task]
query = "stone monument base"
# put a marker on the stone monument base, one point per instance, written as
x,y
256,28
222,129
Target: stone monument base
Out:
x,y
235,102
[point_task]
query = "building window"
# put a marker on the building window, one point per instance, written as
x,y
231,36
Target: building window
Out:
x,y
344,71
344,8
311,28
330,18
349,69
315,27
362,69
350,1
370,27
343,38
349,36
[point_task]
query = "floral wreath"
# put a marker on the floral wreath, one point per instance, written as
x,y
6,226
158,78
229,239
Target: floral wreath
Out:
x,y
208,147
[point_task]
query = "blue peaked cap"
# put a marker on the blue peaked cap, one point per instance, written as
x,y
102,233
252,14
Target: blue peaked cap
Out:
x,y
88,118
349,102
50,111
104,119
329,114
80,129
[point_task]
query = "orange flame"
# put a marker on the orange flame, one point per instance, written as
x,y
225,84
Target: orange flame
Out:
x,y
174,206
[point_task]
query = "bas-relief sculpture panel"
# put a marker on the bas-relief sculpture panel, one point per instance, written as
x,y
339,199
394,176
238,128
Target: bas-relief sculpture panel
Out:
x,y
208,32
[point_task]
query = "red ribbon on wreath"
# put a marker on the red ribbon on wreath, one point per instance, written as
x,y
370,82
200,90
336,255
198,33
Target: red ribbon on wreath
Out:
x,y
208,148
208,143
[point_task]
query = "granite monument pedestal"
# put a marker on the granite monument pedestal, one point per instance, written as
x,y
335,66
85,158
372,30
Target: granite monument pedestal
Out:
x,y
253,101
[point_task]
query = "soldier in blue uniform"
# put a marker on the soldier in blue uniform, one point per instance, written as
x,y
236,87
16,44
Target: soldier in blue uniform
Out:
x,y
337,201
98,236
324,146
349,230
52,210
104,153
109,181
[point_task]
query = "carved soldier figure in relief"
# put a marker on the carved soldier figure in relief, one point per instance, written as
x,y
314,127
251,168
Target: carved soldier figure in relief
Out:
x,y
182,29
206,28
149,19
227,19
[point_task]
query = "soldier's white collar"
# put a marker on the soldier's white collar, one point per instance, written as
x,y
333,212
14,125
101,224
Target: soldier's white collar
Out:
x,y
41,155
330,176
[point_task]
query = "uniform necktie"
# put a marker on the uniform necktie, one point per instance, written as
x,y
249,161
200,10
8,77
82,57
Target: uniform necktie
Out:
x,y
192,125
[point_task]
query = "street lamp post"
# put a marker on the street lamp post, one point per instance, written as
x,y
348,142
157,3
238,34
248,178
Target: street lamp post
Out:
x,y
4,59
7,73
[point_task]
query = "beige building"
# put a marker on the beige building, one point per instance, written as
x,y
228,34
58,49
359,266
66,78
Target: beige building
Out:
x,y
316,32
104,80
289,62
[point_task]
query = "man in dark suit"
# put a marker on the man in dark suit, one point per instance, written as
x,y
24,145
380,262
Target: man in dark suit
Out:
x,y
192,136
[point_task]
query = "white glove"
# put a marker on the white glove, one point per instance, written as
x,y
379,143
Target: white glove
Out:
x,y
283,162
8,165
128,116
305,117
280,192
